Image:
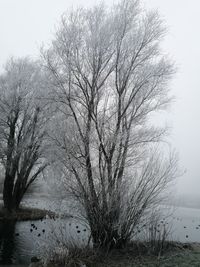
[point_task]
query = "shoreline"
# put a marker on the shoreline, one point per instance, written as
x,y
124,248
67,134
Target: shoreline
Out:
x,y
176,254
26,214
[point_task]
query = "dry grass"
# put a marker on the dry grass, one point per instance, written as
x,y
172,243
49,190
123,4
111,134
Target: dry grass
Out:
x,y
135,255
73,257
180,255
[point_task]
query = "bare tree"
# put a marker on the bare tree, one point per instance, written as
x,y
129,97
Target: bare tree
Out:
x,y
22,132
107,75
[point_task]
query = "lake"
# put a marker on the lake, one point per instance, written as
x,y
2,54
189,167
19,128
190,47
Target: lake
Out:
x,y
22,240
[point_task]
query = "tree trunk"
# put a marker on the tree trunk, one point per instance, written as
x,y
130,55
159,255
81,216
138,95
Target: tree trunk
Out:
x,y
106,239
7,193
105,235
12,195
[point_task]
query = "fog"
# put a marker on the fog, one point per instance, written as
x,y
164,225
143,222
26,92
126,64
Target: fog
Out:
x,y
27,25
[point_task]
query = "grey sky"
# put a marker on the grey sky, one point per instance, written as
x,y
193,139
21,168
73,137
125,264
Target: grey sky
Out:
x,y
27,24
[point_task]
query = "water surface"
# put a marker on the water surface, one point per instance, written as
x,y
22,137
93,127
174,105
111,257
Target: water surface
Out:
x,y
22,240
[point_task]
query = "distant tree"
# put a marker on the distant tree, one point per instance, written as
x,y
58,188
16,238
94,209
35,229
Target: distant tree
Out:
x,y
107,76
22,129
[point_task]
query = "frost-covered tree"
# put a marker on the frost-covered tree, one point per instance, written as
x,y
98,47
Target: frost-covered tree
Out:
x,y
107,75
22,129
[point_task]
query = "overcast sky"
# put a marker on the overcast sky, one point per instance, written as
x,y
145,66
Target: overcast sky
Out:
x,y
27,24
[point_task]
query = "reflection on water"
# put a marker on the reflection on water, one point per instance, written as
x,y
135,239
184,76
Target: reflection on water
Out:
x,y
7,242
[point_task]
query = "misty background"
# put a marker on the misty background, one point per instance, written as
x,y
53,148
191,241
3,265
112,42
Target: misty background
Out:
x,y
26,25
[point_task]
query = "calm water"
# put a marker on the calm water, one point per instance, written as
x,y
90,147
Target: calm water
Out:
x,y
186,225
22,240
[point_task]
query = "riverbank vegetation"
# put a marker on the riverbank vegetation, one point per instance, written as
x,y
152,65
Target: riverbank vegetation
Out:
x,y
110,76
83,116
136,254
179,258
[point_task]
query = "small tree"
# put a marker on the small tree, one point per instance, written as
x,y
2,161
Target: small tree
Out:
x,y
107,75
21,129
